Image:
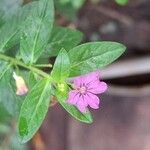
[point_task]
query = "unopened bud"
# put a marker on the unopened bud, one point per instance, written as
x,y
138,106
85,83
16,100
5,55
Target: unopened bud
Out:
x,y
61,87
20,84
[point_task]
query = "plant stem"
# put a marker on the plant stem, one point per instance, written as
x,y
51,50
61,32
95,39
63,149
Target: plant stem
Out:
x,y
43,65
20,63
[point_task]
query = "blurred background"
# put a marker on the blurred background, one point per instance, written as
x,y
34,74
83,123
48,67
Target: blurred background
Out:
x,y
123,121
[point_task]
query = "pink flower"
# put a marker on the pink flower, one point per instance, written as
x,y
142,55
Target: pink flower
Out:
x,y
85,89
20,84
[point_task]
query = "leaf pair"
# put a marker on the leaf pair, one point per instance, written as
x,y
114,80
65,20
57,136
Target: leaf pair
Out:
x,y
86,58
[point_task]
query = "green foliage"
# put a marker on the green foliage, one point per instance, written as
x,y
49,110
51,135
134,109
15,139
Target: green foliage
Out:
x,y
122,2
32,79
75,3
4,115
9,8
69,8
36,31
62,37
61,67
93,56
66,9
4,66
10,29
28,41
72,110
34,109
8,33
8,97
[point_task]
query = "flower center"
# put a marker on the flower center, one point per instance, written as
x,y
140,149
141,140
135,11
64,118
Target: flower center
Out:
x,y
82,89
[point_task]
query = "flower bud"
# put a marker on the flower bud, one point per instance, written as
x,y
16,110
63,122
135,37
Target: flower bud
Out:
x,y
62,87
20,84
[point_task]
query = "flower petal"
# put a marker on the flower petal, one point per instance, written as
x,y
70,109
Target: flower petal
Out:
x,y
81,105
22,88
97,87
92,100
84,100
85,79
78,82
91,77
73,97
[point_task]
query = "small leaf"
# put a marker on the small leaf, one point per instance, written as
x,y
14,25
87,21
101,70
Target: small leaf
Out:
x,y
34,109
93,56
72,110
62,38
36,30
61,68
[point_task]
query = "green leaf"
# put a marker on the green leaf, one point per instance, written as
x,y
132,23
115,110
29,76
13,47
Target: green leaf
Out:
x,y
34,109
61,67
10,30
93,56
36,31
72,110
4,115
9,34
9,8
3,68
9,102
77,3
32,80
13,17
8,97
122,2
66,9
62,38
